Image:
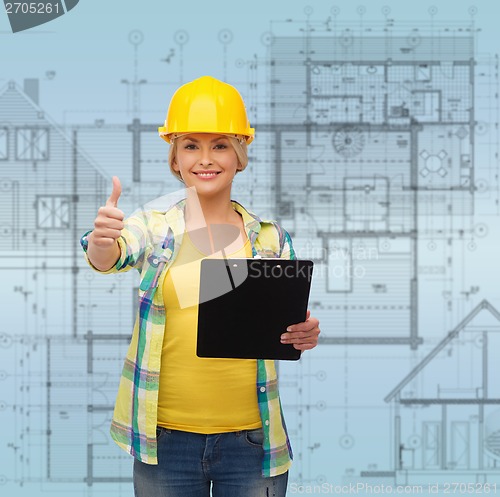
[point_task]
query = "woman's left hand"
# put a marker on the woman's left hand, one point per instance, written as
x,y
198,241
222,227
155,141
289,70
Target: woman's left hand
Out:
x,y
303,336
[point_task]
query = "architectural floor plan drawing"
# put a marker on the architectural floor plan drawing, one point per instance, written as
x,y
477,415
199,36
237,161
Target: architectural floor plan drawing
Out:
x,y
385,129
377,149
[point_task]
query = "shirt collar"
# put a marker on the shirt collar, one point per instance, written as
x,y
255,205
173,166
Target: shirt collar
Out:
x,y
251,221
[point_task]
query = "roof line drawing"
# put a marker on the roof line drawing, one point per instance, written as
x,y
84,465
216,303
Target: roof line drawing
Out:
x,y
484,304
12,85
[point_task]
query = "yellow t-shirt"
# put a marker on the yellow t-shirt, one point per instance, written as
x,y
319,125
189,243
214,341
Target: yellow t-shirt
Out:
x,y
200,395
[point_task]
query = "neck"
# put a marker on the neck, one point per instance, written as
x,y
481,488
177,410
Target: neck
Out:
x,y
201,210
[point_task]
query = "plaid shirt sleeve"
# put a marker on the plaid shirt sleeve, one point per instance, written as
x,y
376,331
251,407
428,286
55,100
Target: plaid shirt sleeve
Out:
x,y
133,242
287,251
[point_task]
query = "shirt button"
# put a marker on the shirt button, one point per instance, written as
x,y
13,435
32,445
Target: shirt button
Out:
x,y
266,422
262,389
155,261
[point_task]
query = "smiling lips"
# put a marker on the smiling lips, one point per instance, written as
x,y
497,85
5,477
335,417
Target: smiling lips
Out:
x,y
207,174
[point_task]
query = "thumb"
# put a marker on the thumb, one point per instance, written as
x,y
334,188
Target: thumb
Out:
x,y
115,194
308,313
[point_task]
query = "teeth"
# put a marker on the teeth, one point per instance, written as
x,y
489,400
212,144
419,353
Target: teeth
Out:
x,y
207,174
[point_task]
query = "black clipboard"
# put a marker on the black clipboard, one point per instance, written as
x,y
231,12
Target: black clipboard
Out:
x,y
245,305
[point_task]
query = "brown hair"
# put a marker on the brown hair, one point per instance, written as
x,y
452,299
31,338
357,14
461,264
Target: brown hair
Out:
x,y
238,143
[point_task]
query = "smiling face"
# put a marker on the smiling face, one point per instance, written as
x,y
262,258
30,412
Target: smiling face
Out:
x,y
206,161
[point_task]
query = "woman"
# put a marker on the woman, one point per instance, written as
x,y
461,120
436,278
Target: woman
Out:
x,y
190,422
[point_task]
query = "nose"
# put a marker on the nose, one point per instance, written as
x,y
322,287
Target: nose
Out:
x,y
205,159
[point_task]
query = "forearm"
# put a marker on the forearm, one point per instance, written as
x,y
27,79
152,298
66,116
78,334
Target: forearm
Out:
x,y
102,258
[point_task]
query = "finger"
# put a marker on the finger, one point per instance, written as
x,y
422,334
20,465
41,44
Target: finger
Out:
x,y
115,194
108,211
305,340
304,326
308,313
307,346
103,242
107,233
109,221
298,341
298,336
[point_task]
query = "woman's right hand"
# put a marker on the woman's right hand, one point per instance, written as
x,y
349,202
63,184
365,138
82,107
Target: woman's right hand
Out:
x,y
108,224
103,250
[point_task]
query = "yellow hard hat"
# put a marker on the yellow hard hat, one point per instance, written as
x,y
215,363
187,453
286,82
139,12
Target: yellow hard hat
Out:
x,y
206,105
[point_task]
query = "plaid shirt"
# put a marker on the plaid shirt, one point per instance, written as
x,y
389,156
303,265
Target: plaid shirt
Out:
x,y
149,243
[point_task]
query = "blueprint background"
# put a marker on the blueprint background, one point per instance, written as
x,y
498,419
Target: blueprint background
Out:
x,y
334,399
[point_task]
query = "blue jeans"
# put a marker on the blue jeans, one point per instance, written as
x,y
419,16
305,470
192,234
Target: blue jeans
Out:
x,y
189,463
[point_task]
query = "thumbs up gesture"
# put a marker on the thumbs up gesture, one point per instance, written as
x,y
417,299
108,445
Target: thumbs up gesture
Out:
x,y
109,221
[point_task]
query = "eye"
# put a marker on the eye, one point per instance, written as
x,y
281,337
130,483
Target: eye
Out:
x,y
221,146
190,146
